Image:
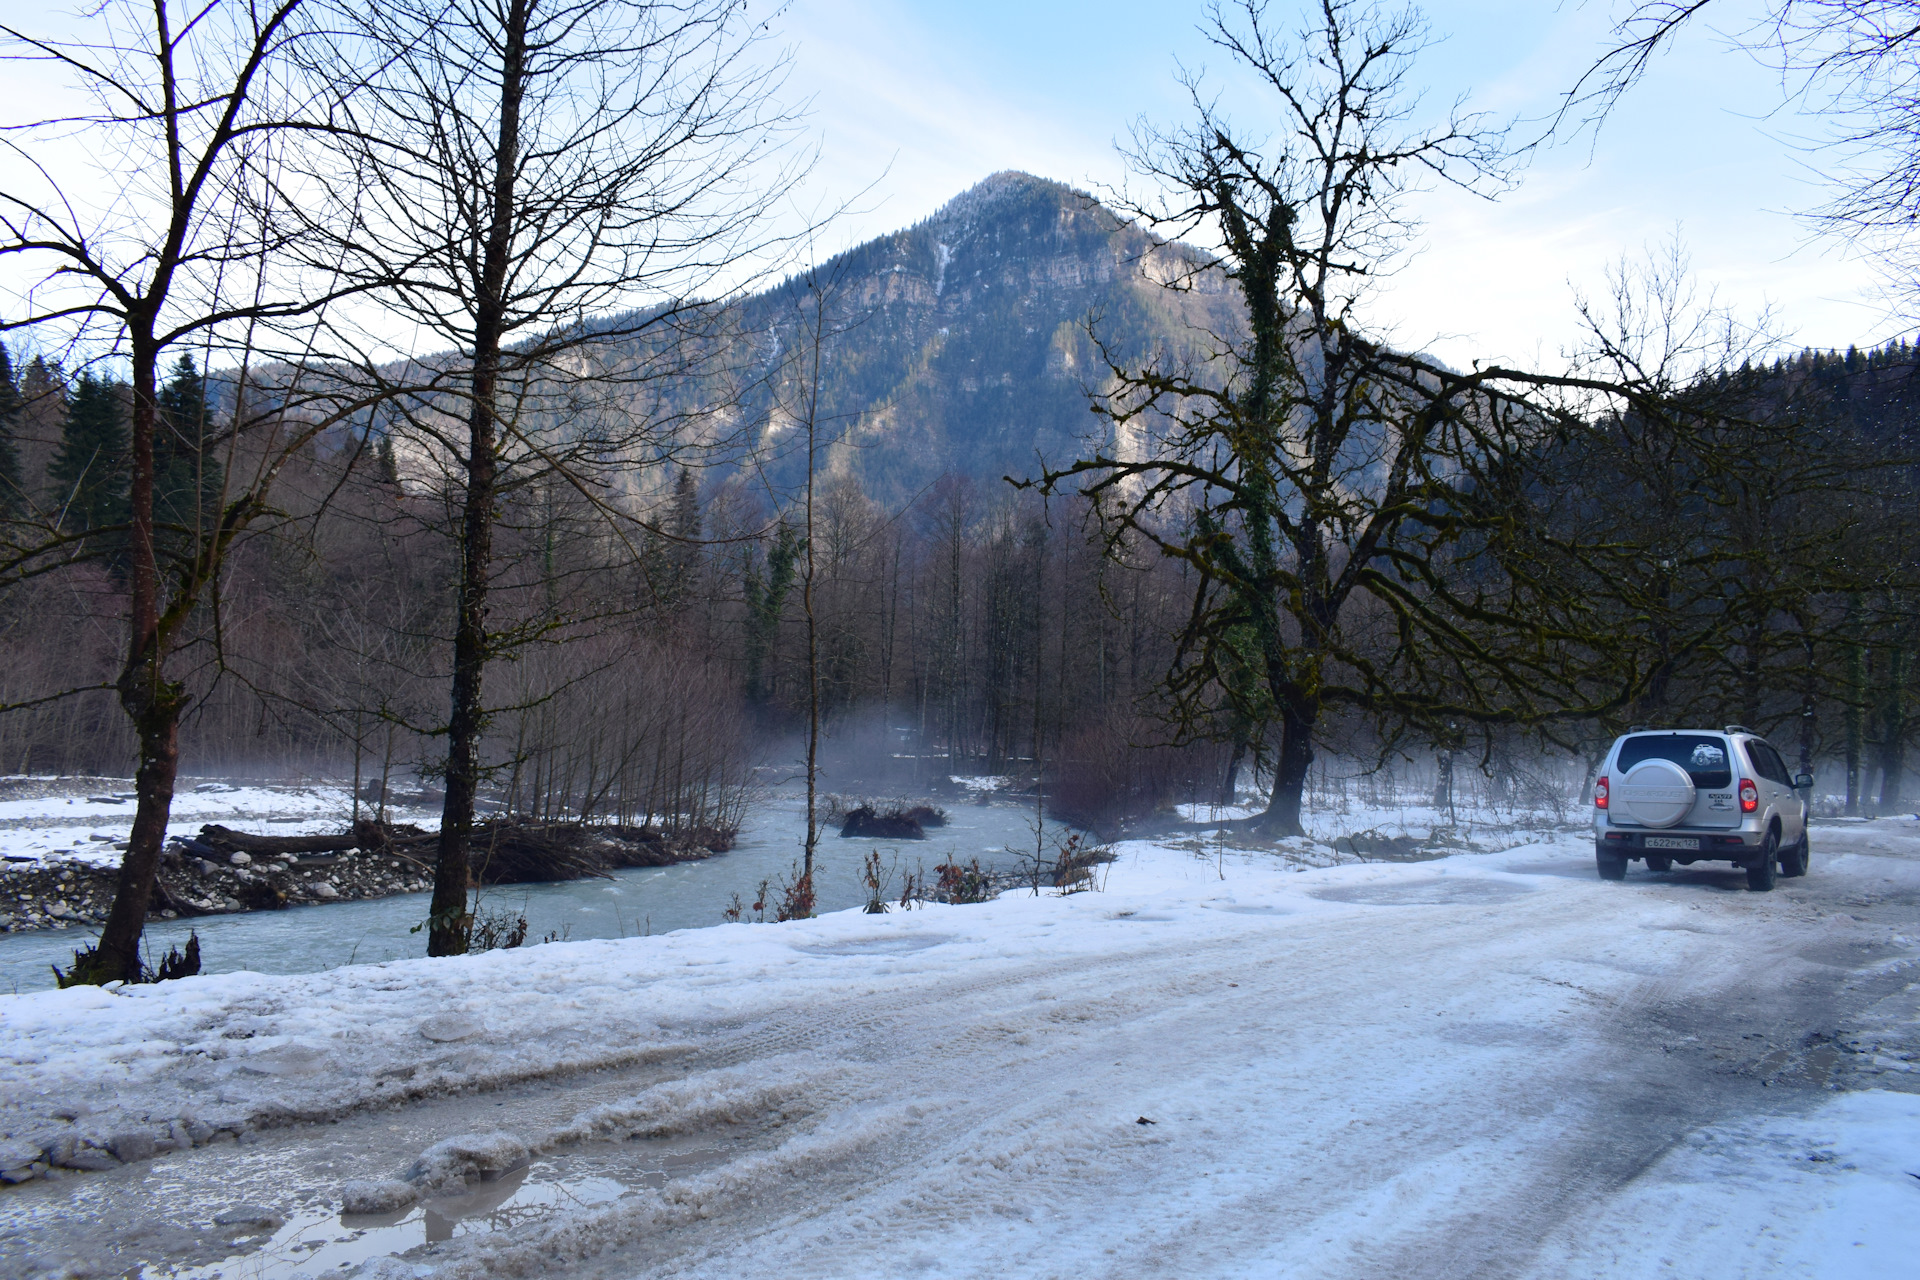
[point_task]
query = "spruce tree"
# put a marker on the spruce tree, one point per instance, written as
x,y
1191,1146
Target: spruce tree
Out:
x,y
89,471
389,464
186,474
12,491
683,553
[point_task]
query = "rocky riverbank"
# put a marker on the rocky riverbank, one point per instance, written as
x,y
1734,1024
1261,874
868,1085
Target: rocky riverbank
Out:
x,y
58,895
224,871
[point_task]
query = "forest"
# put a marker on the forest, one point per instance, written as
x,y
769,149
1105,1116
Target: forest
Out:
x,y
976,629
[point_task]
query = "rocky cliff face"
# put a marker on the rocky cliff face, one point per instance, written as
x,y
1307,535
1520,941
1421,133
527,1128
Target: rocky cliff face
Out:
x,y
962,344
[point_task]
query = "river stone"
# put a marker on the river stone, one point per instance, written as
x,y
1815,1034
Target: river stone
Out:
x,y
131,1146
445,1028
89,1158
324,890
456,1159
15,1154
247,1215
376,1196
241,860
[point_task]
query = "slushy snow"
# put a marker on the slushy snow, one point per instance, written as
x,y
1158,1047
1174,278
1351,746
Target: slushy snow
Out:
x,y
1224,1064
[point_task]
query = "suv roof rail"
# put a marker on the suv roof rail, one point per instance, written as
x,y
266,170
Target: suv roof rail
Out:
x,y
1737,728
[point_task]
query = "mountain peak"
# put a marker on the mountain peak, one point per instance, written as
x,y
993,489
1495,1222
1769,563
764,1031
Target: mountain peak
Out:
x,y
1000,188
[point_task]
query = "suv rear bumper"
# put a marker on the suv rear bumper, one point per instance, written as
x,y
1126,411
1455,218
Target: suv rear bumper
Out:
x,y
1714,846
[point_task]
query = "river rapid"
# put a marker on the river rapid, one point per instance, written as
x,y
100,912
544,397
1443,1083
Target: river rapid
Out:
x,y
635,902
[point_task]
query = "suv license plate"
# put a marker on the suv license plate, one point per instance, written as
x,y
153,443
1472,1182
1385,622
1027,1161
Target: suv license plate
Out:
x,y
1673,842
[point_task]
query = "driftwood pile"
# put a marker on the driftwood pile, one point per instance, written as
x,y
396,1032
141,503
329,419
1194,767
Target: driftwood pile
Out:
x,y
513,852
506,851
896,822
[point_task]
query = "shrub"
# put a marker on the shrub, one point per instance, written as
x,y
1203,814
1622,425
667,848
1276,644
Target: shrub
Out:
x,y
876,882
1114,772
175,964
960,884
796,897
497,931
1073,867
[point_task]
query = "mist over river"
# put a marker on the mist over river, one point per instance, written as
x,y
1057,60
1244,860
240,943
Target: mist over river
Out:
x,y
639,901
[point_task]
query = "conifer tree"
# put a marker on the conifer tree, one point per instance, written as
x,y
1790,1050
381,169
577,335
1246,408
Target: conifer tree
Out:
x,y
766,597
89,472
389,464
683,555
12,489
186,474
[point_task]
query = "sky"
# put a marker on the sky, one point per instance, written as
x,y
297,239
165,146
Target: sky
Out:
x,y
910,102
913,101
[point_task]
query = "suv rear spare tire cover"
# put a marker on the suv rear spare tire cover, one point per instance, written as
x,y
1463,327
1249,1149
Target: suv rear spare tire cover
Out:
x,y
1656,793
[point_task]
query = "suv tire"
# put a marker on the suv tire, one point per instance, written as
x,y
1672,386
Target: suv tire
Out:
x,y
1611,865
1794,863
1760,871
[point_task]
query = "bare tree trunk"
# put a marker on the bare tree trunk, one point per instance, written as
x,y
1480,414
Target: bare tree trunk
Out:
x,y
1290,771
1809,692
813,670
451,921
151,702
1443,783
1750,687
1854,710
1893,747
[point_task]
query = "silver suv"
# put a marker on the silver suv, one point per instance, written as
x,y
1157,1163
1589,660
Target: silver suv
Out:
x,y
1699,795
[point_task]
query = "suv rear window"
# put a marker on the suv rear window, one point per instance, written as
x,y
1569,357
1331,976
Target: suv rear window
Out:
x,y
1703,756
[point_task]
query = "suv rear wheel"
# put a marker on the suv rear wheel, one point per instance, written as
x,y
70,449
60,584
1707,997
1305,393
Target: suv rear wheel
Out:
x,y
1794,861
1760,871
1611,865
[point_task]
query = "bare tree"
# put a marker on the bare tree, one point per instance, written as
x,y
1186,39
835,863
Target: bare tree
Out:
x,y
1356,516
186,253
549,188
816,298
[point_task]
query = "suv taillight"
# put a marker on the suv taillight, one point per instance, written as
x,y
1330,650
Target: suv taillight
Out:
x,y
1600,793
1749,796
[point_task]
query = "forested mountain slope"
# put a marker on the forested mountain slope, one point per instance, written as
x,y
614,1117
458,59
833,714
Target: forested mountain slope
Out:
x,y
962,343
1875,393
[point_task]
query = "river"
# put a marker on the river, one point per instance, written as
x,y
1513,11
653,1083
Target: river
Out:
x,y
645,900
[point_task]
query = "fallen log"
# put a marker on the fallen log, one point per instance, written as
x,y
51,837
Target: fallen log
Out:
x,y
227,840
165,899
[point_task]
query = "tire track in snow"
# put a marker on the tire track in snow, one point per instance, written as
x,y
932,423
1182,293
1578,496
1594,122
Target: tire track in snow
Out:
x,y
1003,1119
1570,1128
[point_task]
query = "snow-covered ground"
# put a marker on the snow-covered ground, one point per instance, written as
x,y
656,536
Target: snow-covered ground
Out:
x,y
67,820
1225,1063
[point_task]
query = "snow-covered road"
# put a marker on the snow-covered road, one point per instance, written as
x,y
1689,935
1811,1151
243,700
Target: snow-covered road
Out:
x,y
1218,1066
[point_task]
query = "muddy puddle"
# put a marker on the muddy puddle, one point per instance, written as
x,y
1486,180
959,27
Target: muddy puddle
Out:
x,y
318,1240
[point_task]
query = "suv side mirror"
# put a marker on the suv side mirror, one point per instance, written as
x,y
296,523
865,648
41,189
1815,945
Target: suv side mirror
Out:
x,y
1803,782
